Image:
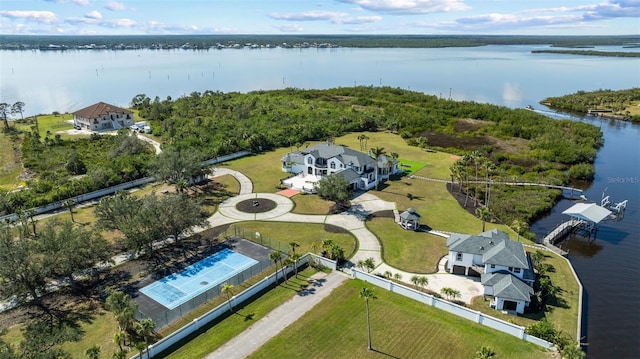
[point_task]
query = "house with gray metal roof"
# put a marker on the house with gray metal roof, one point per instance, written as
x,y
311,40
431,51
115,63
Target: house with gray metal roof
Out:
x,y
324,159
489,253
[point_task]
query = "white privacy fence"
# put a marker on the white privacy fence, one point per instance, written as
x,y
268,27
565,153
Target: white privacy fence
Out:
x,y
473,315
189,329
107,191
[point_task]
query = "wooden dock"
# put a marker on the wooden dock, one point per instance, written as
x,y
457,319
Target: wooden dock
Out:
x,y
560,232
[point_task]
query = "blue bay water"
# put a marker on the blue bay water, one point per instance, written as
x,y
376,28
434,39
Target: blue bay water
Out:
x,y
504,75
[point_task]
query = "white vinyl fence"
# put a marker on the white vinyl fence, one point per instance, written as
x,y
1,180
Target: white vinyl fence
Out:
x,y
107,191
478,317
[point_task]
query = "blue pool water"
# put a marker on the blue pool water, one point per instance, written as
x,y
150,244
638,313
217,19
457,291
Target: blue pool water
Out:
x,y
177,288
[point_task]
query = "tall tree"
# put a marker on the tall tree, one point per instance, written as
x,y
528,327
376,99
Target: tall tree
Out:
x,y
227,289
5,109
377,152
466,160
489,168
334,188
275,257
68,204
178,214
173,165
123,309
144,328
72,249
484,215
17,108
476,157
366,294
293,246
24,272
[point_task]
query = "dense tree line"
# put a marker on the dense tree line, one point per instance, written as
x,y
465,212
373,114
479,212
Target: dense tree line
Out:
x,y
589,53
616,101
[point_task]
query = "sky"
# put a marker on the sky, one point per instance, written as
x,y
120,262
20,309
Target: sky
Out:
x,y
421,17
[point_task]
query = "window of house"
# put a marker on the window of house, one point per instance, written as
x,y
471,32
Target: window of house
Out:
x,y
493,266
510,269
310,160
516,270
333,165
458,256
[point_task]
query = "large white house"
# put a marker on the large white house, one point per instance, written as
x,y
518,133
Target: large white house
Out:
x,y
315,162
503,265
102,116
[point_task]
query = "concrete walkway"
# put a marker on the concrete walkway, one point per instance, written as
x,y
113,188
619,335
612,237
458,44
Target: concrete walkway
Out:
x,y
273,323
352,220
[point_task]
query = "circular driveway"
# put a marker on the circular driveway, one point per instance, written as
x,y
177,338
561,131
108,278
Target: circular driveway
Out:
x,y
228,208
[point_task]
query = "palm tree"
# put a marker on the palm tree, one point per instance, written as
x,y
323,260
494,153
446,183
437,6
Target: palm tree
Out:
x,y
388,274
227,289
489,168
295,258
284,265
370,264
519,227
397,276
367,293
69,205
484,215
181,185
485,353
415,280
145,329
93,352
293,246
275,257
119,337
362,139
423,282
476,157
465,161
377,152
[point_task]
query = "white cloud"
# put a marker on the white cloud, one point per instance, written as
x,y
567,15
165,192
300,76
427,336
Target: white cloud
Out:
x,y
308,16
357,20
77,2
114,6
44,17
93,15
409,7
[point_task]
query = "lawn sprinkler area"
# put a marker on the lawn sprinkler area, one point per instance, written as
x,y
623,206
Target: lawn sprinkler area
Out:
x,y
178,288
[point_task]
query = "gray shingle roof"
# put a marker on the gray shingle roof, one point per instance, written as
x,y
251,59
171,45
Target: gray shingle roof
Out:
x,y
349,175
494,246
507,286
410,215
344,154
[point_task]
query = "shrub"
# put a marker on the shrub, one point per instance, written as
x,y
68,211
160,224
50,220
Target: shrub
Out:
x,y
582,171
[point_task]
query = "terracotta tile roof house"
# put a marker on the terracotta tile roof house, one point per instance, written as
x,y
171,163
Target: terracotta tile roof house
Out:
x,y
324,159
102,116
505,268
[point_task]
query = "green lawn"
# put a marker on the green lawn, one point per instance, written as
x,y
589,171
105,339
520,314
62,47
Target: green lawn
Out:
x,y
411,251
310,204
400,328
10,168
308,235
51,124
560,311
224,330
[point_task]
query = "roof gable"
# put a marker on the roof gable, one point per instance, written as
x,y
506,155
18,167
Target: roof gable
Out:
x,y
480,244
342,153
100,109
507,253
507,286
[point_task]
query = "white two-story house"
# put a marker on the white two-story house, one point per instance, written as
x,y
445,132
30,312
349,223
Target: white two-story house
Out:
x,y
503,265
102,116
359,169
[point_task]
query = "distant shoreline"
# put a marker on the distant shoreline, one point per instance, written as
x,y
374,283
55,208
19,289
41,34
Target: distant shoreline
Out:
x,y
207,42
589,53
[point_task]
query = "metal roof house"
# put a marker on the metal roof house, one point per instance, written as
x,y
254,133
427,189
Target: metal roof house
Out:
x,y
103,116
494,256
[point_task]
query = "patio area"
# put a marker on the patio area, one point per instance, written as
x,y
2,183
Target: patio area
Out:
x,y
302,182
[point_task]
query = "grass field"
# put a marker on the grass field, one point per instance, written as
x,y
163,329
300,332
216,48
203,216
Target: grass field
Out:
x,y
308,235
10,167
216,335
411,251
310,204
400,328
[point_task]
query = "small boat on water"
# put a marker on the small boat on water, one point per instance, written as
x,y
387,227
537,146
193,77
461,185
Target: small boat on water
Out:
x,y
529,107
